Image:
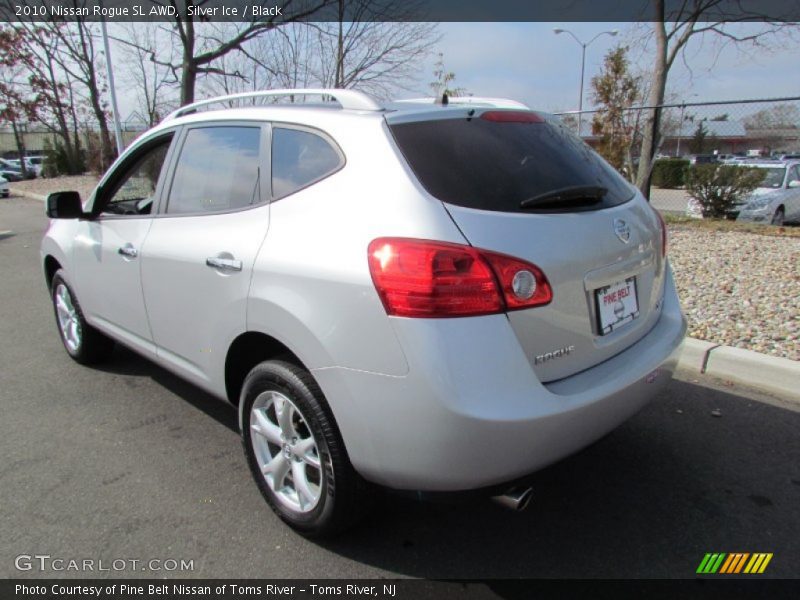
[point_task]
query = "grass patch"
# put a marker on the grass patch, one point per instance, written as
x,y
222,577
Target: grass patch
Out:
x,y
682,222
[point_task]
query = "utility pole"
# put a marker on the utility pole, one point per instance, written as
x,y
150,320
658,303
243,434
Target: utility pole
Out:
x,y
583,46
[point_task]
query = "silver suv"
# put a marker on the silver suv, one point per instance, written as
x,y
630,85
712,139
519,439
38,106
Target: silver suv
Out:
x,y
421,296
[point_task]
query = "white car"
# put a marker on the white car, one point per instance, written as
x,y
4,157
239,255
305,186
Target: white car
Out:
x,y
428,297
33,165
5,192
775,201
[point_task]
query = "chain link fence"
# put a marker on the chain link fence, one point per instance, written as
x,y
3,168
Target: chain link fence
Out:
x,y
731,132
35,134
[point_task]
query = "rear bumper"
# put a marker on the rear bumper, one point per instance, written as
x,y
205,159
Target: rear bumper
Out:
x,y
470,413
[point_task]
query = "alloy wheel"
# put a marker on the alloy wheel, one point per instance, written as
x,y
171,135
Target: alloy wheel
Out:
x,y
287,452
68,319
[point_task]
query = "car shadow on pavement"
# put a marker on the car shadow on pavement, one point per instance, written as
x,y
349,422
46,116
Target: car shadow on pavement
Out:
x,y
649,500
127,363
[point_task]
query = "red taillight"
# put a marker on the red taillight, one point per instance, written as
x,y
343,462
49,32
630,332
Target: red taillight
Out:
x,y
663,227
512,116
421,278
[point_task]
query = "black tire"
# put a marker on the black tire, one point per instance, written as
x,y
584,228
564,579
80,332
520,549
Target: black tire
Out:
x,y
779,217
93,346
344,496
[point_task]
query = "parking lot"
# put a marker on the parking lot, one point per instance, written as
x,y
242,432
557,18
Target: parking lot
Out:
x,y
128,461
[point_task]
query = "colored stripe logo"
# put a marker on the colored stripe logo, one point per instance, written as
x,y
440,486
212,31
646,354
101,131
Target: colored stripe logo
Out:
x,y
734,563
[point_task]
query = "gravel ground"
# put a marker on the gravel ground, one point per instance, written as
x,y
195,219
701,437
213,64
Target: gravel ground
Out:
x,y
737,289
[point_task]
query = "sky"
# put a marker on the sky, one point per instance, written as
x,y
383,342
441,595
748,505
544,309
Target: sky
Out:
x,y
530,63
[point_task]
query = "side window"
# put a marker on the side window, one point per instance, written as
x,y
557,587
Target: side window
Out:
x,y
300,158
794,175
135,188
218,169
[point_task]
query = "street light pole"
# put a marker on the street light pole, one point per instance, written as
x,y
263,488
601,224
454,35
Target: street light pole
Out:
x,y
680,129
112,89
580,99
583,46
680,132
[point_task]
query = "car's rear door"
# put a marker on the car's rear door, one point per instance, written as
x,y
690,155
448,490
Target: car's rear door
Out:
x,y
198,258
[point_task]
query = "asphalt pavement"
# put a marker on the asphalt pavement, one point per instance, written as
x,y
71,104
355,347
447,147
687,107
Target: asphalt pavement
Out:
x,y
127,461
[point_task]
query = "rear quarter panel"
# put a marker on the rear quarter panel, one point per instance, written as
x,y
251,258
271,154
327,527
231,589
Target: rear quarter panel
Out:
x,y
311,286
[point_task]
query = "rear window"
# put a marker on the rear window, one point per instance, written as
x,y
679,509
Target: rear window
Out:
x,y
497,165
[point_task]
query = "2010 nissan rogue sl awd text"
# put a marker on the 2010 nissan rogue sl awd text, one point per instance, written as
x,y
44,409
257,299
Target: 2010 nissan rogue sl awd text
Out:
x,y
424,296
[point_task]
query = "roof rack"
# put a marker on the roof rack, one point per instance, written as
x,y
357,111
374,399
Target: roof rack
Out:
x,y
348,99
479,100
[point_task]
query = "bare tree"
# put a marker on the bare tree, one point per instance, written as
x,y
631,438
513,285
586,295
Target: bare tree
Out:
x,y
202,45
77,55
369,52
18,103
150,48
39,55
290,56
672,31
378,57
256,65
786,116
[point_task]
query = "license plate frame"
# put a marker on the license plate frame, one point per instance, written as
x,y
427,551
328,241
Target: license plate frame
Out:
x,y
616,304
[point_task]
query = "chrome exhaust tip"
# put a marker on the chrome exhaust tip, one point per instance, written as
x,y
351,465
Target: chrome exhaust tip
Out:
x,y
516,499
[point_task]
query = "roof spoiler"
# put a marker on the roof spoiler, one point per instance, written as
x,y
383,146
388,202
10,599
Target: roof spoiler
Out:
x,y
476,100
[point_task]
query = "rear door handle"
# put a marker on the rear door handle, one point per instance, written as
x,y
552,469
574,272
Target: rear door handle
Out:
x,y
224,264
128,250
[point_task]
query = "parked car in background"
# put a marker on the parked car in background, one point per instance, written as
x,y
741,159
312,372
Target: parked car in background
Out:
x,y
702,159
4,189
33,165
13,164
421,296
10,174
776,200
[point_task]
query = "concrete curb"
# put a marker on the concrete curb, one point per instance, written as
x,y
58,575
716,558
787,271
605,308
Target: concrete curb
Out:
x,y
771,373
30,195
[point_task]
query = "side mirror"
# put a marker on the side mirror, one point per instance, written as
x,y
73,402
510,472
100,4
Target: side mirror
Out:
x,y
794,183
64,205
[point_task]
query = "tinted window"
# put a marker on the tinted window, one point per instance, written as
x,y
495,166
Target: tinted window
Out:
x,y
218,169
773,177
300,158
494,165
135,188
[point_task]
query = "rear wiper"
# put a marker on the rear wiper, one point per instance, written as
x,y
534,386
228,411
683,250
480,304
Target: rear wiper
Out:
x,y
589,194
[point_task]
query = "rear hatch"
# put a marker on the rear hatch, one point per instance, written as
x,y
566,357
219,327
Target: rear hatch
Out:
x,y
521,183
